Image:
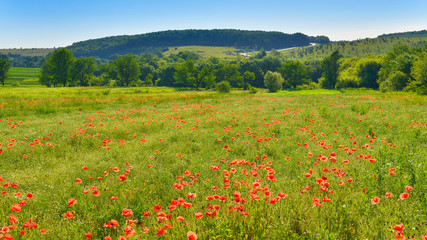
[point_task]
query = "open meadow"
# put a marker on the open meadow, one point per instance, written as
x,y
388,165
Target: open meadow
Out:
x,y
27,77
152,163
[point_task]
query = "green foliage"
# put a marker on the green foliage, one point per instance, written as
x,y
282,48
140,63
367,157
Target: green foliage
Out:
x,y
310,86
396,68
223,87
396,81
367,71
127,69
252,89
4,69
419,74
46,74
330,68
347,73
82,71
294,74
357,48
61,62
248,78
273,81
148,80
187,74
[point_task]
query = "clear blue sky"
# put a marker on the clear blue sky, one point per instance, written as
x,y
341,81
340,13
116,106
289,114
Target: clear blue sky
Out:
x,y
59,23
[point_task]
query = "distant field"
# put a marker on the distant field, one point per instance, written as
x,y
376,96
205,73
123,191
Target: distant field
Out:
x,y
30,52
204,51
24,76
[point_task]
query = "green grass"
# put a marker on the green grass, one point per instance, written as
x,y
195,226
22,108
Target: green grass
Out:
x,y
23,76
206,52
169,144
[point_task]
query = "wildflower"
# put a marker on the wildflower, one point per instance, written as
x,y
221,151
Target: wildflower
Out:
x,y
16,208
68,214
375,200
161,231
71,202
191,236
404,195
127,212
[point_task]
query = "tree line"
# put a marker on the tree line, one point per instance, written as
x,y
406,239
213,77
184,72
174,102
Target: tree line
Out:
x,y
403,68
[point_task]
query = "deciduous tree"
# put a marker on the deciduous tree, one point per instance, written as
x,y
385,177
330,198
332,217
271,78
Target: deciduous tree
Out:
x,y
127,68
61,63
4,69
83,70
273,81
330,68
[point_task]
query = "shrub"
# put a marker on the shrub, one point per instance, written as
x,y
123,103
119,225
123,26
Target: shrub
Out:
x,y
139,83
310,86
273,81
252,89
223,87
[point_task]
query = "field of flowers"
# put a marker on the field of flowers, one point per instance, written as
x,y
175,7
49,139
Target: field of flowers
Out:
x,y
199,165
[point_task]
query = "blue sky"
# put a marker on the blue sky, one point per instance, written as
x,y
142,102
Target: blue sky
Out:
x,y
59,23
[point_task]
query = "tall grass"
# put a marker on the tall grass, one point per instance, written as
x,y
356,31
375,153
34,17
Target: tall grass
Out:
x,y
254,163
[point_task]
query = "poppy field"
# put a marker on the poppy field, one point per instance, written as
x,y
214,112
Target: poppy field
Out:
x,y
202,165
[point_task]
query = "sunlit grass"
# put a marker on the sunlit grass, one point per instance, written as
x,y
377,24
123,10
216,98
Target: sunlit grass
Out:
x,y
159,139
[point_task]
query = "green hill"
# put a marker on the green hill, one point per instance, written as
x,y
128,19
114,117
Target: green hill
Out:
x,y
161,41
359,48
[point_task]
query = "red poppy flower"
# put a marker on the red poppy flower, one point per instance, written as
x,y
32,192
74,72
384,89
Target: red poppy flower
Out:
x,y
191,236
16,208
399,227
375,200
88,235
161,231
404,195
127,212
199,215
68,214
157,208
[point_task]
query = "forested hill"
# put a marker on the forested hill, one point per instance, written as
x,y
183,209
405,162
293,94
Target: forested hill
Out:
x,y
151,42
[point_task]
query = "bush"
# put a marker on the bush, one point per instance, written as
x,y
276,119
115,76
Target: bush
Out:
x,y
273,81
16,84
139,83
252,89
310,86
223,87
395,82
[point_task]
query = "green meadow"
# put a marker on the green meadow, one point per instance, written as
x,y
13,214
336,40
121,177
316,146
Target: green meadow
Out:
x,y
23,76
205,51
157,163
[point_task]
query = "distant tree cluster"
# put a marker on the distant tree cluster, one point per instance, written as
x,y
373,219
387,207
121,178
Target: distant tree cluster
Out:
x,y
17,60
403,68
62,69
